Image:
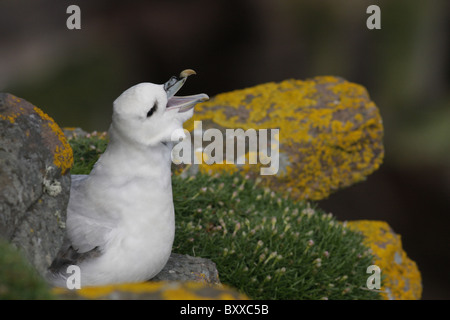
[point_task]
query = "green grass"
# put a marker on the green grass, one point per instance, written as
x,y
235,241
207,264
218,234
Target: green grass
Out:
x,y
18,280
86,151
263,243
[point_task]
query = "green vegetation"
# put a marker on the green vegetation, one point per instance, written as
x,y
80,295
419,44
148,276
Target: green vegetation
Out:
x,y
264,244
18,280
86,151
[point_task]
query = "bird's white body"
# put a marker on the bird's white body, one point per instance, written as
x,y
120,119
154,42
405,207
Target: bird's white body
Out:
x,y
120,218
136,221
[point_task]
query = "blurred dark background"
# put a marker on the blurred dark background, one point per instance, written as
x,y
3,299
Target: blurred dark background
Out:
x,y
74,75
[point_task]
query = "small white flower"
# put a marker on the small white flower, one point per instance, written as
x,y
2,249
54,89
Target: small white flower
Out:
x,y
237,226
273,221
262,256
259,244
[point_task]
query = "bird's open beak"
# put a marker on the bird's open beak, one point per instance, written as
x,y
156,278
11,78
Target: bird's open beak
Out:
x,y
182,103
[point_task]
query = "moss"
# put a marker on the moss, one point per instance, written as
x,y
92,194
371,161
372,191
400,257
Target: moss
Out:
x,y
265,244
18,280
402,276
86,151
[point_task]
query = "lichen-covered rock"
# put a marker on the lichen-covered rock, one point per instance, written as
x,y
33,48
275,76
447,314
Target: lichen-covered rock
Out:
x,y
186,268
159,290
402,277
330,132
183,277
35,159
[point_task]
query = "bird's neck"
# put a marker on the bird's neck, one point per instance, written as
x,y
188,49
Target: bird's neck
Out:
x,y
125,158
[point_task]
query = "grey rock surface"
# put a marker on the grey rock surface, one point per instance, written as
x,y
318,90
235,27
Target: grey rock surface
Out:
x,y
74,132
187,268
34,180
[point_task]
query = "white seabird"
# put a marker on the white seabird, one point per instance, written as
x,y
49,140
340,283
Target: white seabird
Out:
x,y
120,218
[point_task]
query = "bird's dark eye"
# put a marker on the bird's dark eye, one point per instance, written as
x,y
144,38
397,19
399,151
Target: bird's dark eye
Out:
x,y
152,110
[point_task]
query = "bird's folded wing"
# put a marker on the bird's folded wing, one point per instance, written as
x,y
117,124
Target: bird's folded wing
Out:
x,y
86,234
88,229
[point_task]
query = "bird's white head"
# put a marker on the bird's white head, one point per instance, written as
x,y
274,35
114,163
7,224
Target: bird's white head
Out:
x,y
147,114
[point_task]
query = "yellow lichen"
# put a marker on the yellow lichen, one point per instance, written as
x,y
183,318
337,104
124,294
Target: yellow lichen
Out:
x,y
11,114
403,279
166,290
11,117
62,154
181,293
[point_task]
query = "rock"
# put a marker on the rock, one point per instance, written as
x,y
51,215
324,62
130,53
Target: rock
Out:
x,y
35,159
186,268
183,277
70,133
330,132
158,290
403,280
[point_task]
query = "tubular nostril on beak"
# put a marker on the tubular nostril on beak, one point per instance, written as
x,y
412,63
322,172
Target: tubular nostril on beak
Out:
x,y
175,83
